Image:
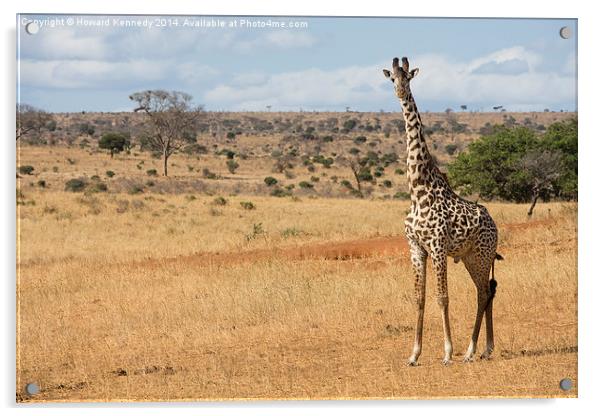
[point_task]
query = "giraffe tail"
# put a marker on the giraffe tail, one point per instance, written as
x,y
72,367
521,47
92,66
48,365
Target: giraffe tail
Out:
x,y
492,281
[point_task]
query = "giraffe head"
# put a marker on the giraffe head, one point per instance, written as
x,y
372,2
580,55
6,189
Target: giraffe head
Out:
x,y
401,76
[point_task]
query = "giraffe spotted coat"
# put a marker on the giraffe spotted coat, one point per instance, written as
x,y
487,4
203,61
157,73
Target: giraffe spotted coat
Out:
x,y
441,224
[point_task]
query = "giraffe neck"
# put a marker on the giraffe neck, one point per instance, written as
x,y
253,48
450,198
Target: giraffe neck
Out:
x,y
419,159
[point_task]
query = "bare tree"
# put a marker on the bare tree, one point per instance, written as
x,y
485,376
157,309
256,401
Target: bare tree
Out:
x,y
361,173
30,118
451,120
543,169
173,120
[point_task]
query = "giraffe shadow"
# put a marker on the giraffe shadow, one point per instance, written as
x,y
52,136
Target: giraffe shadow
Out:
x,y
509,354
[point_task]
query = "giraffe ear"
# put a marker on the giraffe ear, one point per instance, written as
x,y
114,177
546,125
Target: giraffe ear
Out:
x,y
387,73
413,73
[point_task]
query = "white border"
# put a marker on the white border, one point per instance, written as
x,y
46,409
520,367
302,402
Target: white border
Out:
x,y
590,153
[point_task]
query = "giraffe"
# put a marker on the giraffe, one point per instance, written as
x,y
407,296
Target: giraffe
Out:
x,y
442,224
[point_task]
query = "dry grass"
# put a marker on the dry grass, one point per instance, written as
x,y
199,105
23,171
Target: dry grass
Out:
x,y
107,311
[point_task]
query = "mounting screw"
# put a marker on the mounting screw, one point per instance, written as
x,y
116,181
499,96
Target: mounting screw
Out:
x,y
565,32
566,384
32,388
32,28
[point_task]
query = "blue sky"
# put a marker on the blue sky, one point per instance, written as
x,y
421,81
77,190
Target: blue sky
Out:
x,y
93,63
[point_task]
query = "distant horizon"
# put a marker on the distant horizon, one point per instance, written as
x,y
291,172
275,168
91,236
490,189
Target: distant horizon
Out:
x,y
326,112
93,63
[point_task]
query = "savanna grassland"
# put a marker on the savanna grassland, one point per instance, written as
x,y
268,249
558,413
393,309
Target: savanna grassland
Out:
x,y
207,288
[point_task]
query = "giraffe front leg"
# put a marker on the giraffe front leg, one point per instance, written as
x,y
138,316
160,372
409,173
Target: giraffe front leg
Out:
x,y
418,255
440,268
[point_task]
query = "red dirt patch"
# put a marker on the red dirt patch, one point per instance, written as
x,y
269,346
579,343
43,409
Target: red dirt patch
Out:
x,y
346,250
341,251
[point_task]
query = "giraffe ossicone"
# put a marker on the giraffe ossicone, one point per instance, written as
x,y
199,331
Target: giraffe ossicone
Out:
x,y
441,224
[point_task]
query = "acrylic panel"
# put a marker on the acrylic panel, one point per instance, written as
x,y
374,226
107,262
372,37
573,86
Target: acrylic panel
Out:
x,y
254,207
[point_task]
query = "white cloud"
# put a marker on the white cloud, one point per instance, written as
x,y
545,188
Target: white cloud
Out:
x,y
512,79
66,43
315,88
89,73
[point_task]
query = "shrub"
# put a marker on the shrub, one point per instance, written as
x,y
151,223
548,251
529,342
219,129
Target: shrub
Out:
x,y
231,135
98,187
257,231
95,177
26,169
114,142
151,172
110,173
135,189
195,148
401,195
247,205
220,200
350,124
291,232
315,179
42,183
208,174
387,183
279,192
232,166
75,185
270,181
450,149
305,185
359,140
399,171
346,184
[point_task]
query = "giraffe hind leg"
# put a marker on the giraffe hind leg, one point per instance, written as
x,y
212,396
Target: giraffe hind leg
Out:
x,y
478,268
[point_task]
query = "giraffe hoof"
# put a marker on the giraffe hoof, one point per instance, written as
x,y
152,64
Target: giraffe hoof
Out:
x,y
486,356
446,361
412,362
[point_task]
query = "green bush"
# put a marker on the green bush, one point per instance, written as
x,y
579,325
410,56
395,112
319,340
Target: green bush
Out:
x,y
401,195
98,187
450,149
114,142
135,189
247,205
360,140
26,169
151,172
279,192
232,166
387,183
270,181
42,183
208,174
305,185
220,200
110,173
75,185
